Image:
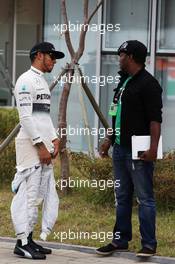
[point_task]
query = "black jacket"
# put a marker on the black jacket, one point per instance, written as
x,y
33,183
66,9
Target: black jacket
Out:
x,y
141,104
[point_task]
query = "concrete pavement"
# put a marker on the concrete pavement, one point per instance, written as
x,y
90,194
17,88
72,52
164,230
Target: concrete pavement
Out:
x,y
70,254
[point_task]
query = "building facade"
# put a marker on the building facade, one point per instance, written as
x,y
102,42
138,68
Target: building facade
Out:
x,y
23,23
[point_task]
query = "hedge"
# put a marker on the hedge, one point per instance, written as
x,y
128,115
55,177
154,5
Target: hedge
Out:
x,y
164,179
8,120
83,167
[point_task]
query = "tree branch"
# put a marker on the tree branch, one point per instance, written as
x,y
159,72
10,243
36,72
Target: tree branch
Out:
x,y
95,10
67,33
92,99
84,29
86,4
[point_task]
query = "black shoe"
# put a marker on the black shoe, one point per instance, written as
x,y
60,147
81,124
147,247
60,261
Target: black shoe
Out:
x,y
146,252
37,247
27,251
109,249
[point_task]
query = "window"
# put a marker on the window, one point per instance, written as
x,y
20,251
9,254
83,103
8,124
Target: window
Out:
x,y
165,73
29,31
133,17
6,47
166,26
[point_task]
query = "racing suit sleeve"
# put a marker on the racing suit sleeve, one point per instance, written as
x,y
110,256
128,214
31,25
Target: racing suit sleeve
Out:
x,y
24,100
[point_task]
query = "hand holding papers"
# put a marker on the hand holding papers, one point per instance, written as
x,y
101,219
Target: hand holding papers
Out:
x,y
141,144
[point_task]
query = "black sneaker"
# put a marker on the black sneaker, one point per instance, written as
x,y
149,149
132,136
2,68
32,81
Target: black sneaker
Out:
x,y
27,251
37,247
109,249
146,252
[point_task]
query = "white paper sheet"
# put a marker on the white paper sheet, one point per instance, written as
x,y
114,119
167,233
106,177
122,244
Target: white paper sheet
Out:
x,y
142,143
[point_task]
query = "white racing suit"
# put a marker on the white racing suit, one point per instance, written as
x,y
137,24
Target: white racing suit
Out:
x,y
33,183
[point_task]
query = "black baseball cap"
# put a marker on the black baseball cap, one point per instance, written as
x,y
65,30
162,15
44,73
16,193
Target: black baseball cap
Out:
x,y
46,47
134,47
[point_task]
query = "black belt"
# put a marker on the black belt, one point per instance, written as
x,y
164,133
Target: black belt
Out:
x,y
41,107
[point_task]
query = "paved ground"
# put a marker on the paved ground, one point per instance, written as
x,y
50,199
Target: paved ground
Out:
x,y
61,256
74,254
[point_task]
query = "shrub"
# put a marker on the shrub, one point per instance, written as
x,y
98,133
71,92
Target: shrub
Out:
x,y
99,174
8,120
101,169
7,165
164,182
82,167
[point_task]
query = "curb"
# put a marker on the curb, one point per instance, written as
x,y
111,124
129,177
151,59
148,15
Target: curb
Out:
x,y
91,250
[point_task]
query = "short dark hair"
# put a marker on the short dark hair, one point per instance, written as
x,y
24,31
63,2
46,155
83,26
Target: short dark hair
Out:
x,y
33,57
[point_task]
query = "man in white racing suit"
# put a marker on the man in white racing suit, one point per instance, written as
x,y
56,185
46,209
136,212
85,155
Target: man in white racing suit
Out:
x,y
36,144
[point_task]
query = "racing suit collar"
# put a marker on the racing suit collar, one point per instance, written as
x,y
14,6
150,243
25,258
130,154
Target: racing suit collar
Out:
x,y
35,70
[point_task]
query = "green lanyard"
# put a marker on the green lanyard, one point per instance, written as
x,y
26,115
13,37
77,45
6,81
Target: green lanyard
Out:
x,y
118,114
123,87
113,106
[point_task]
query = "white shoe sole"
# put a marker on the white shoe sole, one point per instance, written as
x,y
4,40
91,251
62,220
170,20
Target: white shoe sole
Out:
x,y
144,255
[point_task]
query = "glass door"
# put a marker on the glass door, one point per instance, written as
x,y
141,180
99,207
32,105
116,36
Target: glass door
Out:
x,y
20,29
29,18
6,51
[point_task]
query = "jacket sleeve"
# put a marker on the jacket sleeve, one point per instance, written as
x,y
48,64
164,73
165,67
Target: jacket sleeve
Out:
x,y
24,100
152,99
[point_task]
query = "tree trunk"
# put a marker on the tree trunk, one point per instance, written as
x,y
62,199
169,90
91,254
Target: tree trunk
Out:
x,y
75,57
62,130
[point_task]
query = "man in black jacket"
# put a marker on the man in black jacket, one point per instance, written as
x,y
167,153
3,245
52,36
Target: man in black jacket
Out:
x,y
135,110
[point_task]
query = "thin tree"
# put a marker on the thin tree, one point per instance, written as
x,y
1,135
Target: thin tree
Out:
x,y
75,57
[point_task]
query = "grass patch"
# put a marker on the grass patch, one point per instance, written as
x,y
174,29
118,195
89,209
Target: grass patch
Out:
x,y
77,215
